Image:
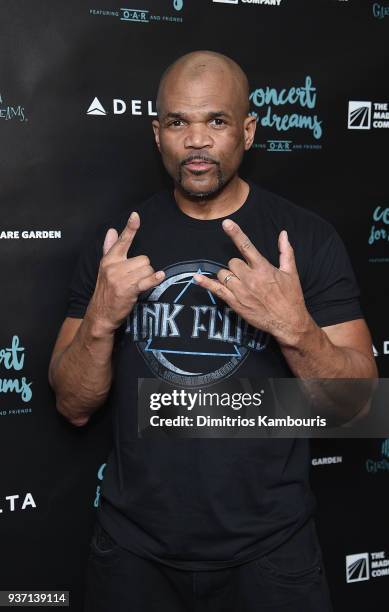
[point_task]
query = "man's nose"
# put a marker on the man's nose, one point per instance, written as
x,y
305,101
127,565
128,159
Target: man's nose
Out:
x,y
197,137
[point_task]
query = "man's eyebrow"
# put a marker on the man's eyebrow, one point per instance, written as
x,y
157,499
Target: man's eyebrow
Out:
x,y
183,115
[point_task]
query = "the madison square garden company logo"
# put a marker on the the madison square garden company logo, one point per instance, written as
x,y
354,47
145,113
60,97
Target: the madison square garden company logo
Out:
x,y
367,115
367,566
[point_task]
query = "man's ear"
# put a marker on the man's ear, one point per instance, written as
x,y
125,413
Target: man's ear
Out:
x,y
249,127
156,125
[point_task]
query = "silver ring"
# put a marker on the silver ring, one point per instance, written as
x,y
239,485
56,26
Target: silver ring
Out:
x,y
227,278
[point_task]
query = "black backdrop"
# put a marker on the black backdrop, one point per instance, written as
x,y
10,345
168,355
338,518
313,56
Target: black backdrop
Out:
x,y
68,161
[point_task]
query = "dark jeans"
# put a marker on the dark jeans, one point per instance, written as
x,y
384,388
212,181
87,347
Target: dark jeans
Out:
x,y
288,579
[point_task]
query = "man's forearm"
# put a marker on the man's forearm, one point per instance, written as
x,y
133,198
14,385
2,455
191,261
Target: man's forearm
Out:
x,y
82,374
314,357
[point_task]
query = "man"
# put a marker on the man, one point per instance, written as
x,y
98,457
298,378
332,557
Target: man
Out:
x,y
200,286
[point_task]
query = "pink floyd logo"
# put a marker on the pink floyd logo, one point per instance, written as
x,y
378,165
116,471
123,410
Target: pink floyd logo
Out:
x,y
185,334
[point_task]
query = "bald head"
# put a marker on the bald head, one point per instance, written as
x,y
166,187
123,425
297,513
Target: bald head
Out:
x,y
196,66
203,126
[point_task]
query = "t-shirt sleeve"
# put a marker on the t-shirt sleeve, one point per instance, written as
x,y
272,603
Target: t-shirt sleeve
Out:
x,y
84,277
331,290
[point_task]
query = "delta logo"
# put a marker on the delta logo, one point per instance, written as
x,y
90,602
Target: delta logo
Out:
x,y
382,352
121,107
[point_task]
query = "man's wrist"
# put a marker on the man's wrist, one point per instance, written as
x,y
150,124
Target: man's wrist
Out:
x,y
307,338
97,327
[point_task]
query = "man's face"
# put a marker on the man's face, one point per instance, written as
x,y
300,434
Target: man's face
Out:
x,y
202,132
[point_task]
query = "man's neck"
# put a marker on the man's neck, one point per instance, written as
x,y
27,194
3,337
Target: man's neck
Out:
x,y
222,204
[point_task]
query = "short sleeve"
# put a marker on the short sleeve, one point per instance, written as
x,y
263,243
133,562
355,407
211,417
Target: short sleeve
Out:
x,y
331,290
84,277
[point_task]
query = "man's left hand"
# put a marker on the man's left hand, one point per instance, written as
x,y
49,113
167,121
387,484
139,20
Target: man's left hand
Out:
x,y
268,298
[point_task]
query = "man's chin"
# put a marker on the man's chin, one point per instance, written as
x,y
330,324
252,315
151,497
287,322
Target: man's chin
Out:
x,y
199,190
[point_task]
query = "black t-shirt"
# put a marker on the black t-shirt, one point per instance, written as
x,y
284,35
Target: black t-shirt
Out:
x,y
198,503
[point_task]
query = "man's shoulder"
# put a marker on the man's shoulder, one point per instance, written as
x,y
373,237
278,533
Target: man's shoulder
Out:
x,y
146,207
281,211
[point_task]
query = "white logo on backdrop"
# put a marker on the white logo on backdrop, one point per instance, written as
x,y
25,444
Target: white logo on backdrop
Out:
x,y
359,115
96,108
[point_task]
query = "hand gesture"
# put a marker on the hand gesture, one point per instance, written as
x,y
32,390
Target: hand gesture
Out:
x,y
120,279
269,298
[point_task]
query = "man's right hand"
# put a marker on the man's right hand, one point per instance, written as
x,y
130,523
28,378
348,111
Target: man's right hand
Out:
x,y
120,279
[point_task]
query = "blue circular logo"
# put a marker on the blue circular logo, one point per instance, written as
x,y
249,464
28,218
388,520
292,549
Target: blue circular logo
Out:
x,y
185,334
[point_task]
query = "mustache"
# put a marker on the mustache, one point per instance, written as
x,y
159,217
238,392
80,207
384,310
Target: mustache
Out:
x,y
199,157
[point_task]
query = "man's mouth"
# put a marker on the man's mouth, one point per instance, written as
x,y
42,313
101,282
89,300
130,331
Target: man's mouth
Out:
x,y
198,165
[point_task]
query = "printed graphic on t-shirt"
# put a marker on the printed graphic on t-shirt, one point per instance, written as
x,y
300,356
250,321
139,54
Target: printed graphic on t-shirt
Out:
x,y
186,335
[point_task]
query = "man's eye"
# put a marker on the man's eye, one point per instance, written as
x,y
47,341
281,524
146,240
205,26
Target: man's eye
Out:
x,y
176,123
217,121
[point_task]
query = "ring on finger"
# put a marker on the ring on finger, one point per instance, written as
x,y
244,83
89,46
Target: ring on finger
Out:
x,y
227,278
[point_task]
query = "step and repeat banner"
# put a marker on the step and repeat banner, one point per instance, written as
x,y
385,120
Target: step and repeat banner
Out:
x,y
77,97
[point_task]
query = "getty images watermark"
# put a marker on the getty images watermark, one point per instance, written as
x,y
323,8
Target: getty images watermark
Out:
x,y
280,407
205,399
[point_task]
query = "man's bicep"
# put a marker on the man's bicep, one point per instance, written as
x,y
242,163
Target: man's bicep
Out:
x,y
85,274
354,335
331,291
351,334
83,280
